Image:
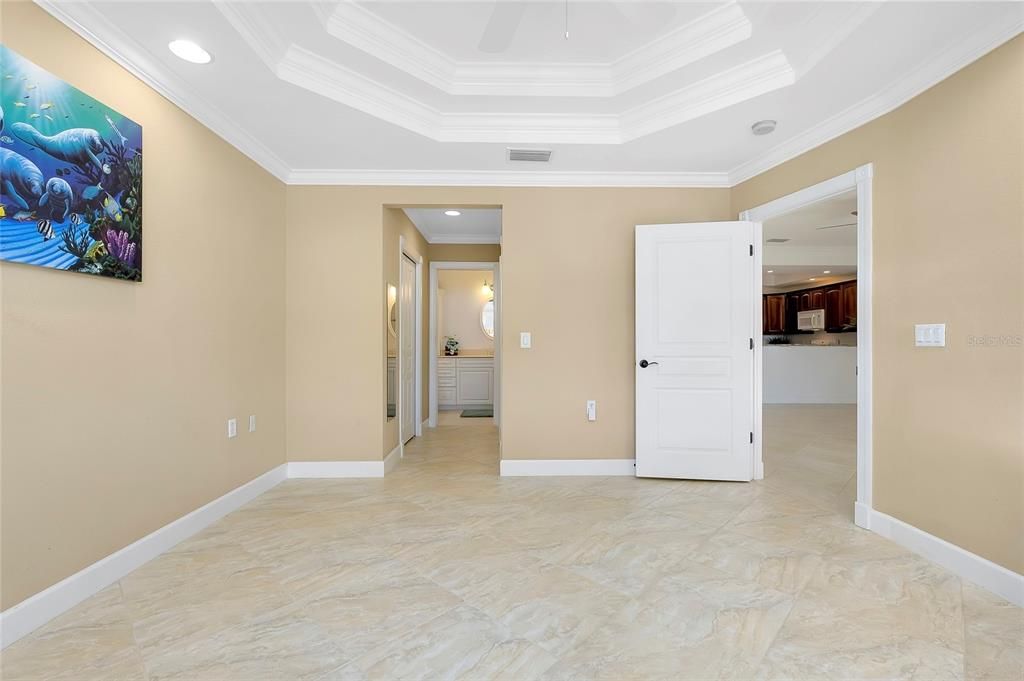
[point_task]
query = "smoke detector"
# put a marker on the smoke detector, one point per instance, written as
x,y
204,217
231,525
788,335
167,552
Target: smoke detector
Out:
x,y
531,155
763,127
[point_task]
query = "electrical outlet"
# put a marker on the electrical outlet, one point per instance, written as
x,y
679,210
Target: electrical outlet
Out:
x,y
591,410
525,340
232,427
252,423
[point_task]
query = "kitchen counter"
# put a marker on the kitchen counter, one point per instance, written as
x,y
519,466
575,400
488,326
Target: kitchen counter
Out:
x,y
470,353
810,374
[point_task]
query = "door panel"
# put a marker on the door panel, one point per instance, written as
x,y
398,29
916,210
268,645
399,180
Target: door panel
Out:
x,y
407,343
694,325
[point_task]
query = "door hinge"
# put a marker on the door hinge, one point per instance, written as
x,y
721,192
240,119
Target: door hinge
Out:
x,y
751,249
751,343
751,437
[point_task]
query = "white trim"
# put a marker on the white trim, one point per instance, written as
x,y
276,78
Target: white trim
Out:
x,y
425,424
37,610
393,458
463,239
417,261
569,467
861,181
84,20
336,469
969,566
505,178
713,31
758,367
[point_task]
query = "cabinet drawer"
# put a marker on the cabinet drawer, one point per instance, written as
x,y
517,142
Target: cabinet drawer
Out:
x,y
445,396
446,363
476,363
447,381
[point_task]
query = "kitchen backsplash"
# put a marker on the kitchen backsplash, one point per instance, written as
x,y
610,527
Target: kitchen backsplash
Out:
x,y
817,338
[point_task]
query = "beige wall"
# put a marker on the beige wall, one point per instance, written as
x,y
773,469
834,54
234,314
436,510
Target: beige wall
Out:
x,y
396,224
465,252
335,399
116,394
460,307
948,247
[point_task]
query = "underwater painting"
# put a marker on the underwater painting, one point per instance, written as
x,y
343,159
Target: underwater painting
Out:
x,y
70,176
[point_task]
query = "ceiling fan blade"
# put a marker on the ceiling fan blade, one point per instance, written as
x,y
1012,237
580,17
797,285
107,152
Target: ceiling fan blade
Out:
x,y
502,26
847,224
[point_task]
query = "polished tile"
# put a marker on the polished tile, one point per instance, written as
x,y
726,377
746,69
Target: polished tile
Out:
x,y
443,570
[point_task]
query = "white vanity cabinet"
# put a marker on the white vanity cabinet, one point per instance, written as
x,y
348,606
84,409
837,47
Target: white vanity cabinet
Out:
x,y
465,381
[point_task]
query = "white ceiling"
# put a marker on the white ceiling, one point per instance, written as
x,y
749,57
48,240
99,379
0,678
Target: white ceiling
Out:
x,y
810,250
818,223
473,226
642,93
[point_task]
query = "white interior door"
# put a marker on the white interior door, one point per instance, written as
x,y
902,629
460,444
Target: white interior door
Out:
x,y
407,345
694,357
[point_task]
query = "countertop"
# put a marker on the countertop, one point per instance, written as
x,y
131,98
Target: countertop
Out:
x,y
476,354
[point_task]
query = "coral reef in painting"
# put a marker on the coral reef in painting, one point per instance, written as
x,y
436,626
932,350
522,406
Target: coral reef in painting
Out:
x,y
70,176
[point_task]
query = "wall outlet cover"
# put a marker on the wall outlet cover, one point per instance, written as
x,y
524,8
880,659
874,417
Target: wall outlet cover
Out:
x,y
525,340
252,423
232,427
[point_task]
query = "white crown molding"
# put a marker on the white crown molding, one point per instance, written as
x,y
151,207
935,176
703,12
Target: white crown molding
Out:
x,y
368,32
322,76
81,18
746,81
504,178
933,71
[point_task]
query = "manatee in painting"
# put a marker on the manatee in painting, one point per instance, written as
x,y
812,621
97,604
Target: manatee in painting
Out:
x,y
21,179
77,145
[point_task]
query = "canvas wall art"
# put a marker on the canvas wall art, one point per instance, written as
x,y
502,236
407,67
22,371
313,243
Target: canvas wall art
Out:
x,y
70,176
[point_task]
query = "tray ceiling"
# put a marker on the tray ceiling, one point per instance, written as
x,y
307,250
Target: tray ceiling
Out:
x,y
648,93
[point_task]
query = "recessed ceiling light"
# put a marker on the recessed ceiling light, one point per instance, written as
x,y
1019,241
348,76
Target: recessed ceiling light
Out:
x,y
811,279
770,271
453,213
189,51
763,127
827,272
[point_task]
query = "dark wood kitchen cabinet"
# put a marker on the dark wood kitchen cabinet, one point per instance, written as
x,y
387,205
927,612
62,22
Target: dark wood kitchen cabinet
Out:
x,y
774,310
849,297
780,310
833,309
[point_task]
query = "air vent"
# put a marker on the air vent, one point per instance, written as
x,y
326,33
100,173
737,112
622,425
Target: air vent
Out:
x,y
776,241
532,155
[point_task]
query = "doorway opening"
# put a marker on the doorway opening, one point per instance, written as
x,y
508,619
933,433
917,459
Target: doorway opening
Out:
x,y
812,370
456,334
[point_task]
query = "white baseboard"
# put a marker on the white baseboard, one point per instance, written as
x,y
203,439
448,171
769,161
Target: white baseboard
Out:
x,y
392,459
336,469
969,566
602,467
37,610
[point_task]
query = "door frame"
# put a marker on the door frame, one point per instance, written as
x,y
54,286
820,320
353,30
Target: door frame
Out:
x,y
495,269
417,260
859,179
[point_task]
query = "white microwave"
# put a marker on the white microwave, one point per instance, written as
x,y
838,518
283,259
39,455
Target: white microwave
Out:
x,y
810,320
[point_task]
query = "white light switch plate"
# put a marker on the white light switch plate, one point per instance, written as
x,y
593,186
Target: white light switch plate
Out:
x,y
252,423
591,410
930,335
525,340
232,427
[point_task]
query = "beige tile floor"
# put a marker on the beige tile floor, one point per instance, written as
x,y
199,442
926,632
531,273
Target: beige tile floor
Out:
x,y
444,571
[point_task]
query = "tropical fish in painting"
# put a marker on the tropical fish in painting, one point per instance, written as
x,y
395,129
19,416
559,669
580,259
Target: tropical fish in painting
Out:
x,y
6,140
34,115
114,128
20,104
45,229
58,196
76,145
106,168
48,117
3,211
90,193
76,219
31,87
24,215
21,178
47,105
112,208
